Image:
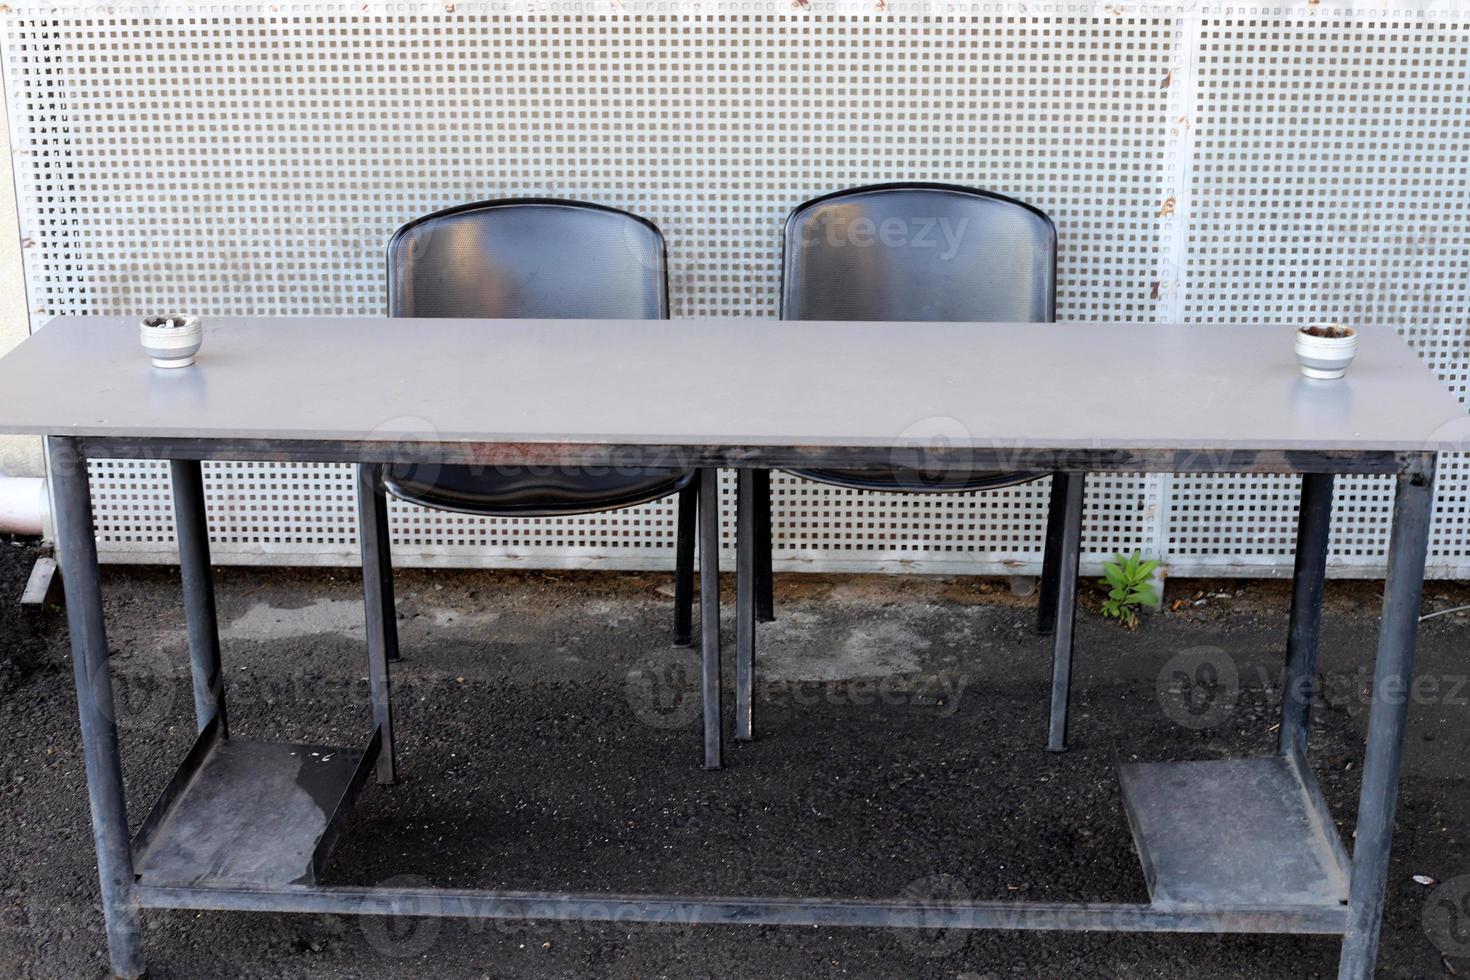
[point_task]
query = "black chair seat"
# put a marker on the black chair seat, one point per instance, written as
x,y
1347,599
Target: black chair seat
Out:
x,y
960,255
904,479
529,258
530,492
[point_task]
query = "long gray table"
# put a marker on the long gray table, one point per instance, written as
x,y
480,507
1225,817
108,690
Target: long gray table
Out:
x,y
1236,845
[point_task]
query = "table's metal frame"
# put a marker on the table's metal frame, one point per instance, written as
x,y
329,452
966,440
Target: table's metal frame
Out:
x,y
123,895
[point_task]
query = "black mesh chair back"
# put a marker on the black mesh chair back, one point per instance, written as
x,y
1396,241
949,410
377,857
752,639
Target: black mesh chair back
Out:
x,y
529,259
918,252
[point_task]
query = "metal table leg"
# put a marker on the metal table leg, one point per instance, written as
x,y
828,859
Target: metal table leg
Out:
x,y
1051,555
747,574
688,511
77,549
709,611
1069,552
1393,672
377,594
1313,524
191,527
765,600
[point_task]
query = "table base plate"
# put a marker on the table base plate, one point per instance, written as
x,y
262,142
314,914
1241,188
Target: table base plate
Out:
x,y
250,813
1234,832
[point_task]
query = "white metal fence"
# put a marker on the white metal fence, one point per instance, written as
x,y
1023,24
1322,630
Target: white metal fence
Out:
x,y
1203,163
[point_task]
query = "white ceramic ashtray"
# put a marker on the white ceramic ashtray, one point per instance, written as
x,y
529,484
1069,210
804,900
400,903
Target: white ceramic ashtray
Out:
x,y
1324,350
171,340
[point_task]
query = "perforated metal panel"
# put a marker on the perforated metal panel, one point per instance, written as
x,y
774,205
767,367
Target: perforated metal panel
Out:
x,y
1329,180
253,159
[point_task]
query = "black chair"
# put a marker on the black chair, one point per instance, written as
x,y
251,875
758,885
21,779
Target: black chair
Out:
x,y
519,258
919,252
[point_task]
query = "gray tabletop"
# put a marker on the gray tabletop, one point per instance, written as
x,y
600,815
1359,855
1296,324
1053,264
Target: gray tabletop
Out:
x,y
728,382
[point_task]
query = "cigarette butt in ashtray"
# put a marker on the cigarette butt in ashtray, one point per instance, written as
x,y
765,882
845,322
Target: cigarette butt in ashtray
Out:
x,y
171,339
1324,350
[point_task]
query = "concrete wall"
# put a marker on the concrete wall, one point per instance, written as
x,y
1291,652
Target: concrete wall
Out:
x,y
19,455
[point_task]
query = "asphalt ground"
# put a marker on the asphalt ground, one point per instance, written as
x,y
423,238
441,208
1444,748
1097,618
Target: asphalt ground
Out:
x,y
548,740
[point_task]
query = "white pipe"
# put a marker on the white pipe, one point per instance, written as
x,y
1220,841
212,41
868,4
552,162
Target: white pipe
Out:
x,y
23,504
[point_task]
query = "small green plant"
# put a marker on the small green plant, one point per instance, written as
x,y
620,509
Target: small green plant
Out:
x,y
1129,586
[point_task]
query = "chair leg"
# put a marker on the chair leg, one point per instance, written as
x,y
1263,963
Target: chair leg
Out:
x,y
1061,663
1046,607
382,621
747,538
684,563
765,597
709,613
